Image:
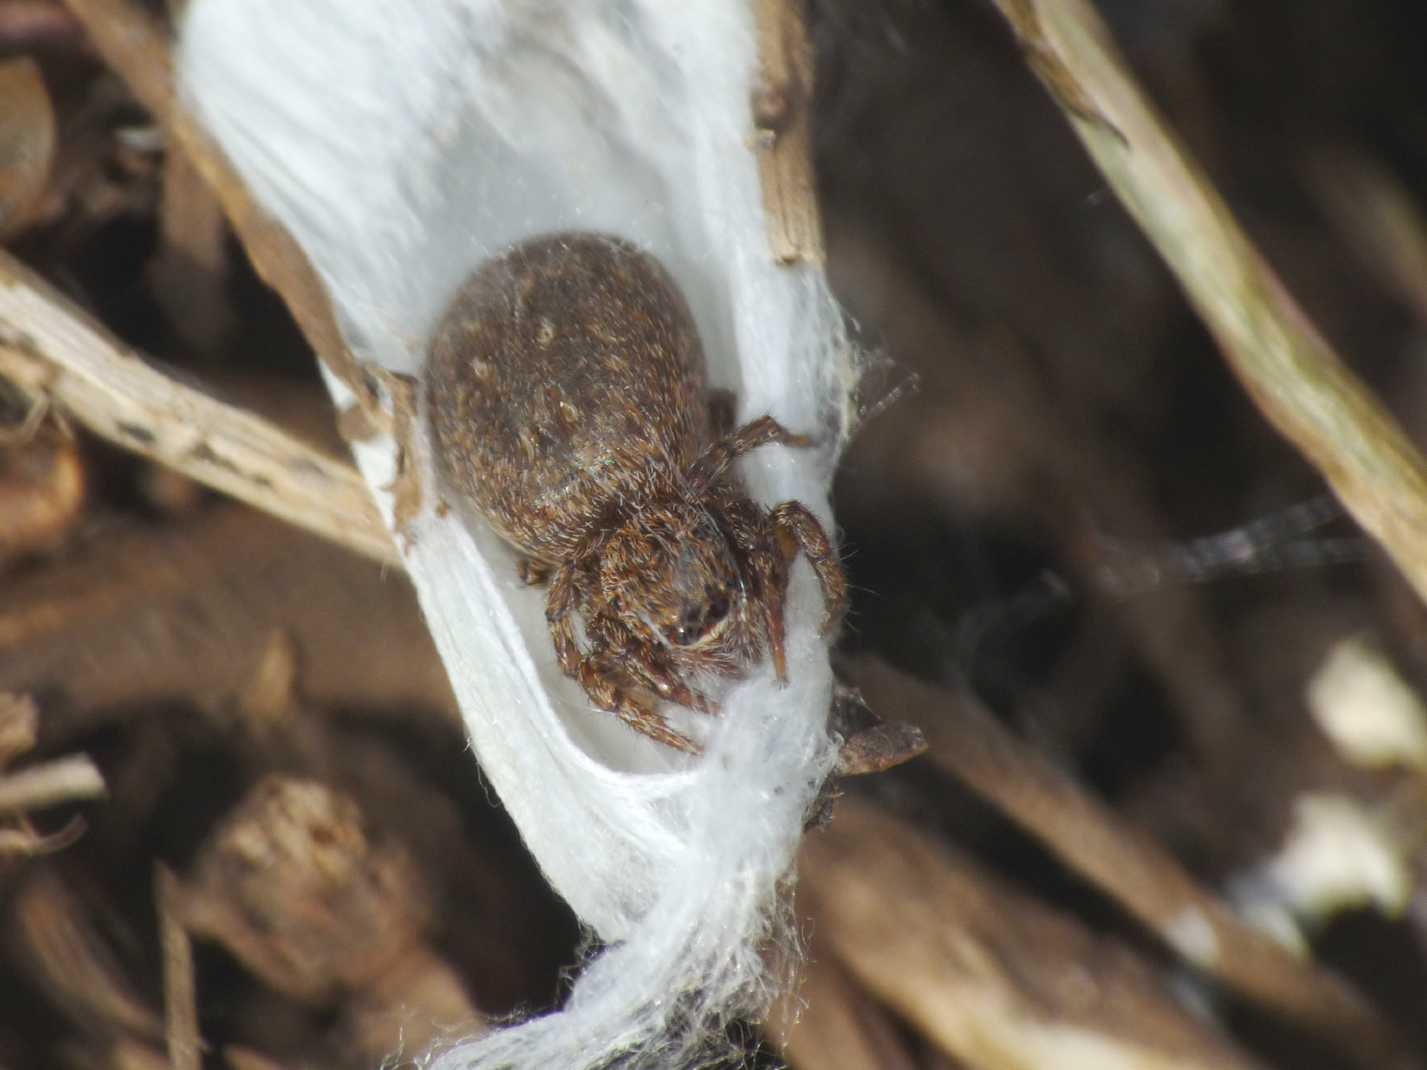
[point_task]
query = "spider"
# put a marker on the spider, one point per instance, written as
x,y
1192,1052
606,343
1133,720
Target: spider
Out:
x,y
568,401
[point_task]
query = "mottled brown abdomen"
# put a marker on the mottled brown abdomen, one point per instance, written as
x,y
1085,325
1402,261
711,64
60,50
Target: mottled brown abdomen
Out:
x,y
565,377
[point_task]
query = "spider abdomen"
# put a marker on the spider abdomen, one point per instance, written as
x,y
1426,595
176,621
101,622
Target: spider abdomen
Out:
x,y
565,377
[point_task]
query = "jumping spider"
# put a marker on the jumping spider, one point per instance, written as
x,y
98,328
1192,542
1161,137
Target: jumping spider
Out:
x,y
568,401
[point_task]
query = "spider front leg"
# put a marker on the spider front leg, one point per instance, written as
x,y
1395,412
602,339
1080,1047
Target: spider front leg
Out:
x,y
599,676
763,431
600,672
645,661
560,603
796,528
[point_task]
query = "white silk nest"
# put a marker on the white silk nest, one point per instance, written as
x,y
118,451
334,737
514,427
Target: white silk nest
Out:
x,y
402,143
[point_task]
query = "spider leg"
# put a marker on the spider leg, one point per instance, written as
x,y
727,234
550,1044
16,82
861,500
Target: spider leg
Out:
x,y
559,614
771,568
666,683
796,528
751,531
599,676
647,662
763,431
599,672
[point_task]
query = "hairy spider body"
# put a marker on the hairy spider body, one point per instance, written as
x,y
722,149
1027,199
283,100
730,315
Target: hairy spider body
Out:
x,y
569,405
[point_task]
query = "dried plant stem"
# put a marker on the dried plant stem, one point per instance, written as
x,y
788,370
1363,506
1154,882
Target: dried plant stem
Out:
x,y
1288,368
62,780
971,744
782,112
106,388
27,142
185,1045
49,346
190,271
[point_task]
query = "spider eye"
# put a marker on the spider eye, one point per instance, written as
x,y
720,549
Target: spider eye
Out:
x,y
699,620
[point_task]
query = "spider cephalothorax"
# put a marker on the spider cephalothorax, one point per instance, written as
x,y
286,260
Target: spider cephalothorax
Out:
x,y
569,405
671,575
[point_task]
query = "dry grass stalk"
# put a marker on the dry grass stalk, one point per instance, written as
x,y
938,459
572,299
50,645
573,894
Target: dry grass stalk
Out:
x,y
62,780
783,113
50,347
185,1046
191,269
27,143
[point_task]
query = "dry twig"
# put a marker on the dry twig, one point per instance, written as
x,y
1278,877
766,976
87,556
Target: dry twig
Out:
x,y
62,780
49,346
185,1046
191,267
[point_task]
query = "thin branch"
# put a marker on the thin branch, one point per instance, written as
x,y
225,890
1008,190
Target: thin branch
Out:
x,y
62,780
185,1045
1084,833
47,345
190,271
1288,368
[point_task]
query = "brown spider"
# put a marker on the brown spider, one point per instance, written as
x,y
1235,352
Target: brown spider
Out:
x,y
569,405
